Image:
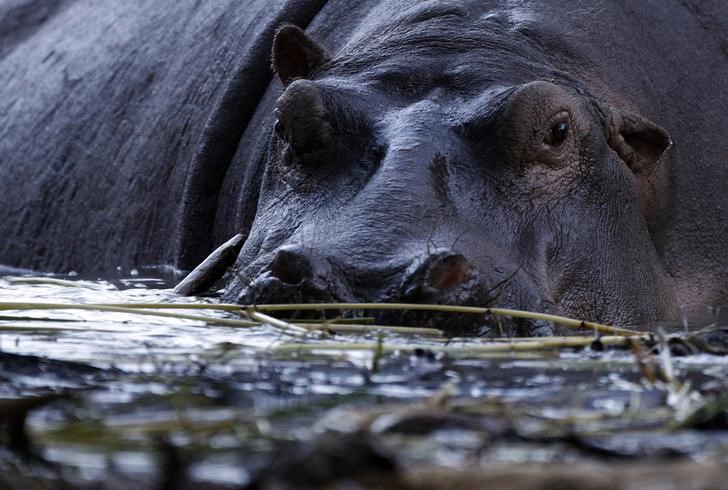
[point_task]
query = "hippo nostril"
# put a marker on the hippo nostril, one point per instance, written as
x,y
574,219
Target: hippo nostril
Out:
x,y
448,271
441,271
291,266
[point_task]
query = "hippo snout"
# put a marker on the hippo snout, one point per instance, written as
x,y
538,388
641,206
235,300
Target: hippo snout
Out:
x,y
302,274
295,274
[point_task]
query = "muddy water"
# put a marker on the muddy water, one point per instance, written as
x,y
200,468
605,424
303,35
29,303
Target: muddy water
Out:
x,y
126,397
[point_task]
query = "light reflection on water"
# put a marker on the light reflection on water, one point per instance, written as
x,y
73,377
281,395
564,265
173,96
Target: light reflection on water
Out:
x,y
101,338
241,378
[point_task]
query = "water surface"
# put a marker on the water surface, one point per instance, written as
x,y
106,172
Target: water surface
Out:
x,y
124,388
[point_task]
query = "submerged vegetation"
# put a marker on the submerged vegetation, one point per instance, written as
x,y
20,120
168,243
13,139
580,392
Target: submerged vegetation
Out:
x,y
137,386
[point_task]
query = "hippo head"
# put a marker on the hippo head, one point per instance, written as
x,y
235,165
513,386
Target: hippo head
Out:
x,y
445,160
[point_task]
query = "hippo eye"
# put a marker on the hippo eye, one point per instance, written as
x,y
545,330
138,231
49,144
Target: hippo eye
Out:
x,y
279,128
557,134
554,147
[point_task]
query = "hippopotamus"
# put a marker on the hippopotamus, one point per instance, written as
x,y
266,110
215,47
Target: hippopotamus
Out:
x,y
541,155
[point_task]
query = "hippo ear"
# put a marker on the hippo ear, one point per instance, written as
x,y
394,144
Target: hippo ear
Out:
x,y
295,55
639,142
642,145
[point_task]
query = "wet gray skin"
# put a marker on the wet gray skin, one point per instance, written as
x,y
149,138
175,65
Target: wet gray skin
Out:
x,y
543,155
419,166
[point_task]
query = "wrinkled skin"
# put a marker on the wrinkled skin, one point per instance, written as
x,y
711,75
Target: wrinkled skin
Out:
x,y
477,168
125,128
532,155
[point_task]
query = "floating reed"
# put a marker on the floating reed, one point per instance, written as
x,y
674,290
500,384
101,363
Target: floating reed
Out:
x,y
141,307
522,345
530,315
130,308
474,310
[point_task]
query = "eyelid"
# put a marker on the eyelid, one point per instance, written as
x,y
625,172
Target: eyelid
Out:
x,y
560,116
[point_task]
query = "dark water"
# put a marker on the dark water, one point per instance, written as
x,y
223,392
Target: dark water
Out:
x,y
124,394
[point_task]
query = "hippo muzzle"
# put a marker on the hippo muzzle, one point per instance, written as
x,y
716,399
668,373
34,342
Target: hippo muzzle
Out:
x,y
299,275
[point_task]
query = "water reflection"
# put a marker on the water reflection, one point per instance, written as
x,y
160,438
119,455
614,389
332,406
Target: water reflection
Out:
x,y
127,381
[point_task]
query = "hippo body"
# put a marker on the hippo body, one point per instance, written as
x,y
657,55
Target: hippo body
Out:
x,y
119,122
556,156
